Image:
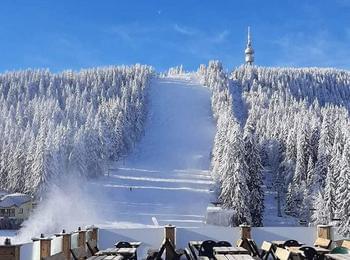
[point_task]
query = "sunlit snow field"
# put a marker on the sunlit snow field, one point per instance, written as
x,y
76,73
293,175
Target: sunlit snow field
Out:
x,y
164,180
167,175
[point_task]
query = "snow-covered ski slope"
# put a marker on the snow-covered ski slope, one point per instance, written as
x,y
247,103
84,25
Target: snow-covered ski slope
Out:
x,y
166,178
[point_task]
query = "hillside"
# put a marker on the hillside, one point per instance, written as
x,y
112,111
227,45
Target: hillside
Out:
x,y
56,126
166,176
165,179
291,123
281,135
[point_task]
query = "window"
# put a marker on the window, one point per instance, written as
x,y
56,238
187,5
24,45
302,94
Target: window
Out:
x,y
20,211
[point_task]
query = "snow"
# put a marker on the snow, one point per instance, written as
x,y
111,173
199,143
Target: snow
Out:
x,y
15,199
6,233
219,216
167,175
239,106
165,179
271,218
3,193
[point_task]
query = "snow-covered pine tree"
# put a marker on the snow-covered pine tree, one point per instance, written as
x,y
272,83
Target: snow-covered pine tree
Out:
x,y
330,195
293,198
41,113
219,147
254,179
281,102
324,147
235,193
298,185
343,192
320,215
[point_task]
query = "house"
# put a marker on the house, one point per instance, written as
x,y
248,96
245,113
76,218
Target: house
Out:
x,y
3,193
14,209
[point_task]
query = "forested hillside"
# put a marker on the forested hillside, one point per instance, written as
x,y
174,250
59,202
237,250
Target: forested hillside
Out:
x,y
71,123
293,122
297,125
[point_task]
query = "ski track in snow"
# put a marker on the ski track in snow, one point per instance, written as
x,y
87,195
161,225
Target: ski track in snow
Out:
x,y
124,177
270,213
166,176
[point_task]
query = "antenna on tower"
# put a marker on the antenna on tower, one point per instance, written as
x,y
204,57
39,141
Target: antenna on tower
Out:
x,y
249,41
249,51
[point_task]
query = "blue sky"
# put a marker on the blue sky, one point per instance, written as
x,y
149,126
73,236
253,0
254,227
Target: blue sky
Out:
x,y
68,34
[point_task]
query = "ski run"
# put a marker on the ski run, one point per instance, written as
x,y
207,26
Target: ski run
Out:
x,y
166,178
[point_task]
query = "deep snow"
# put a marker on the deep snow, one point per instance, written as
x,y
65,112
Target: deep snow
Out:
x,y
164,180
271,218
6,233
167,175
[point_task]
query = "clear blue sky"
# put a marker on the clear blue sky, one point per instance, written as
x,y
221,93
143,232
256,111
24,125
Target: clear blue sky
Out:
x,y
68,34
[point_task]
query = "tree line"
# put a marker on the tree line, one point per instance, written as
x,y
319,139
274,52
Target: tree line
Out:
x,y
70,123
298,125
236,162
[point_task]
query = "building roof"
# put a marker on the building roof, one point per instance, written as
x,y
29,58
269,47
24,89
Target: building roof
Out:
x,y
14,199
3,193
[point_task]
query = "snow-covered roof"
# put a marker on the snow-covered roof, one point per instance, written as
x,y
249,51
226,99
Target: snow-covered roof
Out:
x,y
3,193
14,199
